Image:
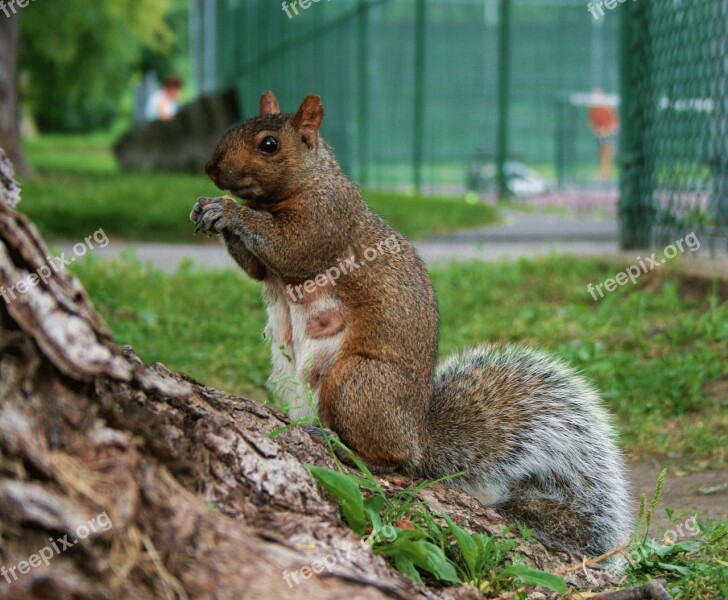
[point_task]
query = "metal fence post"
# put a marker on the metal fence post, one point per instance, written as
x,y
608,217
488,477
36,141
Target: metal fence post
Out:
x,y
419,93
636,185
718,198
363,116
561,116
504,80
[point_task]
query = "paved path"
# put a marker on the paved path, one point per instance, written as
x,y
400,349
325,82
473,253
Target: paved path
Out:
x,y
526,235
521,235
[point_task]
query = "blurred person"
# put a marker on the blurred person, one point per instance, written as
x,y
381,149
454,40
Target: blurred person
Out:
x,y
164,104
604,123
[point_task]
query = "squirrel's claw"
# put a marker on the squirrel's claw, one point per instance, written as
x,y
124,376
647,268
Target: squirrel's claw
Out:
x,y
320,434
208,215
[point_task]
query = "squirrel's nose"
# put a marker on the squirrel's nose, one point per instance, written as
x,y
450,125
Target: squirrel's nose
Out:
x,y
212,169
223,174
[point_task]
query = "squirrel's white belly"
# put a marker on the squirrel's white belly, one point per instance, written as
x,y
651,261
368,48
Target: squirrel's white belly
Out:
x,y
305,339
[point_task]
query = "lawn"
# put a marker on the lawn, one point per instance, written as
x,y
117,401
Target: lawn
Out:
x,y
78,189
658,352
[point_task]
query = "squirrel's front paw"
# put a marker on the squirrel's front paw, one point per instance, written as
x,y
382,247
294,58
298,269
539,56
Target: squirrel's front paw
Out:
x,y
211,214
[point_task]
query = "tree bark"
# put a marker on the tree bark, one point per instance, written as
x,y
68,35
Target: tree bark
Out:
x,y
9,108
198,500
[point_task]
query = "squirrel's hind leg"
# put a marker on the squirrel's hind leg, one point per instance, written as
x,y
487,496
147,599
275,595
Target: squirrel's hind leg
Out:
x,y
367,403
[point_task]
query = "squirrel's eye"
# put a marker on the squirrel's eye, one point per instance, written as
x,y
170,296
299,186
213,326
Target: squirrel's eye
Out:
x,y
269,145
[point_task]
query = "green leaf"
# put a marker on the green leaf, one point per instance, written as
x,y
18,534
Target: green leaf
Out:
x,y
405,565
533,577
424,555
688,546
684,571
347,493
373,507
466,543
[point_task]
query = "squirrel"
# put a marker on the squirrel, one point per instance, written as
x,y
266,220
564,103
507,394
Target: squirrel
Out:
x,y
528,432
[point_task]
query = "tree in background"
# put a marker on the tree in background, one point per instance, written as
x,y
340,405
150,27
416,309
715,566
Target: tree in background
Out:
x,y
175,57
81,56
9,111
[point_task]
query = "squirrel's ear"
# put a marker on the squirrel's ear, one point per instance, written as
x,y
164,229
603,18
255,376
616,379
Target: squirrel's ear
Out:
x,y
269,104
308,120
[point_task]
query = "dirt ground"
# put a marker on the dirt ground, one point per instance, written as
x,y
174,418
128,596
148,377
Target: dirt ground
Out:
x,y
682,491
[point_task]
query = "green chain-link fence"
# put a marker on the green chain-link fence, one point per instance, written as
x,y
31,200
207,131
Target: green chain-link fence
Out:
x,y
411,87
675,112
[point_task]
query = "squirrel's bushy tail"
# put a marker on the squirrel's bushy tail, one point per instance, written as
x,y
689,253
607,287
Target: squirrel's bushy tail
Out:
x,y
535,442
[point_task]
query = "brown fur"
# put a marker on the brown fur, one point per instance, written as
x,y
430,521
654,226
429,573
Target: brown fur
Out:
x,y
312,216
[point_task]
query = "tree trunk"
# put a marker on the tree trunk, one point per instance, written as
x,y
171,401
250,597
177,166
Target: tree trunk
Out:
x,y
122,480
9,109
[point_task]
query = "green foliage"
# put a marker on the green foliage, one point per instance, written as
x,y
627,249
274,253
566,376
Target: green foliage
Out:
x,y
80,56
413,553
172,58
347,492
402,528
695,568
481,557
644,517
134,206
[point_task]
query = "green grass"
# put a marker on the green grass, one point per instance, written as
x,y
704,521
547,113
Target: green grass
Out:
x,y
657,352
78,189
88,154
690,555
429,548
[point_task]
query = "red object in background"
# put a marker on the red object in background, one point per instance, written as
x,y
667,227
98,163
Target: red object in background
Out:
x,y
603,119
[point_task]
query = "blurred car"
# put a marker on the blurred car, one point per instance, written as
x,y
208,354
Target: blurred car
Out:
x,y
522,181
